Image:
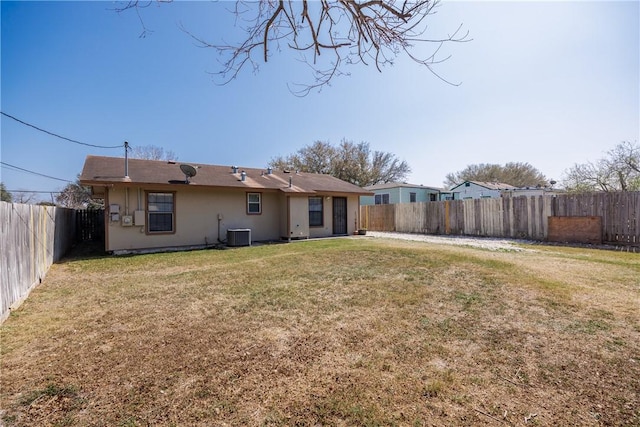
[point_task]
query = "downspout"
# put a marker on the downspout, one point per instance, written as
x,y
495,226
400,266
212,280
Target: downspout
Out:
x,y
126,201
219,221
106,220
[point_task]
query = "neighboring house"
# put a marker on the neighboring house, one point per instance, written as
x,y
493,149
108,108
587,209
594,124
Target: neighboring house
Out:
x,y
397,192
531,191
154,204
479,190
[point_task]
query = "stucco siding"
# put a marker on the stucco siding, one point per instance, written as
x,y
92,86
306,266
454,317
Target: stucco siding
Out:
x,y
299,209
353,214
327,220
367,200
474,191
196,218
400,195
197,213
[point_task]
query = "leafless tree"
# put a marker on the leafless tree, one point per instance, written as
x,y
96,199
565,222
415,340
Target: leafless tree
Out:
x,y
24,197
619,170
151,152
76,196
328,35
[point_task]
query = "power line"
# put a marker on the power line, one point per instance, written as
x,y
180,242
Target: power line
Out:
x,y
58,136
35,173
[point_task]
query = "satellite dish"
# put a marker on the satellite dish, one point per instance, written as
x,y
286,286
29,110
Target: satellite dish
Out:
x,y
188,171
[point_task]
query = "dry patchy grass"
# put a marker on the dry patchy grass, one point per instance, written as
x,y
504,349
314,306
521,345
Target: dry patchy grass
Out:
x,y
332,332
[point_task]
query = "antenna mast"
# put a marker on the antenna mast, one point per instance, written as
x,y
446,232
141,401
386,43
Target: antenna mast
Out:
x,y
126,159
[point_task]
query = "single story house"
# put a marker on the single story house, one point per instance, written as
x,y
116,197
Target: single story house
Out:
x,y
479,190
398,192
531,191
153,204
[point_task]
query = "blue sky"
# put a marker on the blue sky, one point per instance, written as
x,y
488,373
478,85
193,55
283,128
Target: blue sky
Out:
x,y
549,83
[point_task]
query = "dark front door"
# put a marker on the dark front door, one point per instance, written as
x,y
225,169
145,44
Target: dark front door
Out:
x,y
339,215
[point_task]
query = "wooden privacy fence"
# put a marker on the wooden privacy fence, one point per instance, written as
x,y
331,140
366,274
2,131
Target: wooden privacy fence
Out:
x,y
620,212
32,237
90,225
512,217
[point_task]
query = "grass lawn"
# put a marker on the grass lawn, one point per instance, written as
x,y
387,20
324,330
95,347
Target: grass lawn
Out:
x,y
343,332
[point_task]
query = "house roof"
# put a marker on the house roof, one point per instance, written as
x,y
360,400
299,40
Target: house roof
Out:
x,y
104,171
390,185
488,185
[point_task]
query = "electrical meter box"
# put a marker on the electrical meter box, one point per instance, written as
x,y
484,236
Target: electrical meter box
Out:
x,y
127,220
139,218
114,213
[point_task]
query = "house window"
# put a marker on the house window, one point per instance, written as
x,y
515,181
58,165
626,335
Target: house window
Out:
x,y
161,212
432,197
467,184
254,203
315,212
412,197
382,199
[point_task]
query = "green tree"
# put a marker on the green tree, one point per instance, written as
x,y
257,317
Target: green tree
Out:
x,y
618,170
351,162
514,173
5,196
329,35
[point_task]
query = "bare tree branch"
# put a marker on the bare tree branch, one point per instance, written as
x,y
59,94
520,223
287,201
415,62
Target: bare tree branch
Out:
x,y
619,170
350,31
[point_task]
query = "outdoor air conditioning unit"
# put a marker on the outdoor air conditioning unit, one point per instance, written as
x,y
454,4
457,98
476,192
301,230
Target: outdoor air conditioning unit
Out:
x,y
239,237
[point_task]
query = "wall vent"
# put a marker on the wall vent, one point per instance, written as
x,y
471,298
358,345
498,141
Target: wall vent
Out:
x,y
239,237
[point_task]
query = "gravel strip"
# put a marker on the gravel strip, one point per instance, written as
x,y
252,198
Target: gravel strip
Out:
x,y
488,243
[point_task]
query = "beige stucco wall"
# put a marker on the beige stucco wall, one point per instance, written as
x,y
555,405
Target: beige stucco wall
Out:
x,y
327,221
299,210
353,214
196,218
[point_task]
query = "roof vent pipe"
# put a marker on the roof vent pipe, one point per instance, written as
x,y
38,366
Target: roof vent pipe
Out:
x,y
234,169
243,176
126,159
290,181
269,171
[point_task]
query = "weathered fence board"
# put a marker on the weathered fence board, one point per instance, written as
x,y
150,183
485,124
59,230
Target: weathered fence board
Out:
x,y
31,238
379,217
514,217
